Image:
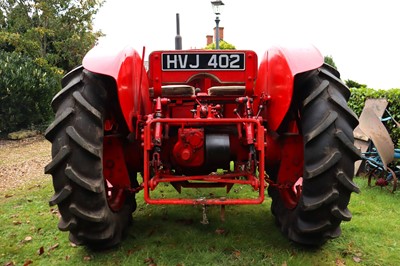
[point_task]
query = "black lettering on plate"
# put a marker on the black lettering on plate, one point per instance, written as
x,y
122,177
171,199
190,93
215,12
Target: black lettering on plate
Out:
x,y
203,61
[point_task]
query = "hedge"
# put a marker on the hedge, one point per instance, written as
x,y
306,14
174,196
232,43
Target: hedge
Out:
x,y
357,100
26,89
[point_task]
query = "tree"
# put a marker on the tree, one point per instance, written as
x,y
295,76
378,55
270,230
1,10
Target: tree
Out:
x,y
328,59
58,31
26,89
223,45
39,41
354,84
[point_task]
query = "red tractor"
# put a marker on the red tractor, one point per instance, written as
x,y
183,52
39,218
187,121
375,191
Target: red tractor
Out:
x,y
202,119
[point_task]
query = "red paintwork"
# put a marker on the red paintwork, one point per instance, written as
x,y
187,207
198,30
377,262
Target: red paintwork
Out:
x,y
189,149
291,169
114,171
276,74
212,180
157,77
170,131
127,69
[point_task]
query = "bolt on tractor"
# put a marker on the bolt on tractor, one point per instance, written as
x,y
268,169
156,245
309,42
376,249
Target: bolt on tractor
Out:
x,y
202,119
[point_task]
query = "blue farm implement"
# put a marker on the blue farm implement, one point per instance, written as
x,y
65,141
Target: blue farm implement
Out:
x,y
380,158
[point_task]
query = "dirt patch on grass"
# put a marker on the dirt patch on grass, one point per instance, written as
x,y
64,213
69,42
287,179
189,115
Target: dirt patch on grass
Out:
x,y
22,162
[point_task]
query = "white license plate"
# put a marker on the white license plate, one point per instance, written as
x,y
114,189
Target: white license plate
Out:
x,y
203,61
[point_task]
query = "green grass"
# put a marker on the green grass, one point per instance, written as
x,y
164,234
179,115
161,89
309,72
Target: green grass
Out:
x,y
173,235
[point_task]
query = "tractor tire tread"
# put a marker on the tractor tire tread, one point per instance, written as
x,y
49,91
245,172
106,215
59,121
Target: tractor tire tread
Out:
x,y
344,214
323,86
69,225
311,228
321,127
84,103
327,125
82,142
343,106
77,168
96,186
75,80
327,72
64,193
340,85
58,159
353,151
312,203
325,163
346,181
53,127
88,215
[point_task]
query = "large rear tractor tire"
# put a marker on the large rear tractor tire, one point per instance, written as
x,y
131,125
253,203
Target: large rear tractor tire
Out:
x,y
77,167
326,124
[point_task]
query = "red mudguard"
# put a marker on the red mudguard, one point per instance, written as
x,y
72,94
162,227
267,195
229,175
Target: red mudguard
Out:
x,y
276,77
127,68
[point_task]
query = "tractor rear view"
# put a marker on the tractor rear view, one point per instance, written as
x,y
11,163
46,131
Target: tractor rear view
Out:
x,y
202,119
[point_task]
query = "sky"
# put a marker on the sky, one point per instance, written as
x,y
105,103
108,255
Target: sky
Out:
x,y
362,36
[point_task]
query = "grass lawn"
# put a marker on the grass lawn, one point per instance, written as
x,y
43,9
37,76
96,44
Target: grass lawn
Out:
x,y
174,235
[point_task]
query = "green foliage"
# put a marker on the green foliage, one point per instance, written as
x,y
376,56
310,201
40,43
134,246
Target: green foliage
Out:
x,y
357,100
39,41
223,45
328,59
26,89
59,31
354,84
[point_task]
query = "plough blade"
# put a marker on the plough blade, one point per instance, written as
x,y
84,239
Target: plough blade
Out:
x,y
371,125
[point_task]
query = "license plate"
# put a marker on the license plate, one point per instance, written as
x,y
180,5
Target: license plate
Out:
x,y
202,61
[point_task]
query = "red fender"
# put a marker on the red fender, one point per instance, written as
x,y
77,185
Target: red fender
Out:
x,y
127,68
276,77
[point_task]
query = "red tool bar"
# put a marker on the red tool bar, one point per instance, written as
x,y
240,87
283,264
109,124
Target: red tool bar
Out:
x,y
203,201
225,178
229,178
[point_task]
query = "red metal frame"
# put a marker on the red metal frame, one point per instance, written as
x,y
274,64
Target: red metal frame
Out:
x,y
151,182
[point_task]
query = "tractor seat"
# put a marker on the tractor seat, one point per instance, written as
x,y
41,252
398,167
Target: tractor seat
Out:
x,y
174,90
226,90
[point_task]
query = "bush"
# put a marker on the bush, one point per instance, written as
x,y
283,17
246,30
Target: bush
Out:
x,y
357,100
26,89
223,45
